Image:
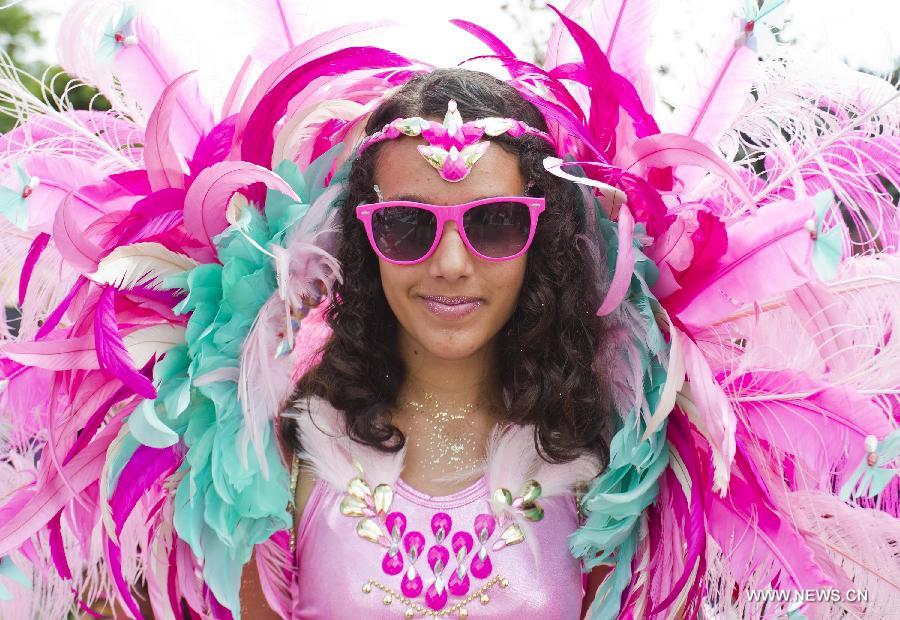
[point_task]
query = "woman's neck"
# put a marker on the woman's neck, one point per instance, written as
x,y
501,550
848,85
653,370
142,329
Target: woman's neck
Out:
x,y
446,409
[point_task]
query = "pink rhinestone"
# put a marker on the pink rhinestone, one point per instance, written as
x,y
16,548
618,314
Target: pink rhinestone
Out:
x,y
392,564
437,554
484,526
411,587
441,524
395,520
458,586
414,540
479,568
434,599
460,540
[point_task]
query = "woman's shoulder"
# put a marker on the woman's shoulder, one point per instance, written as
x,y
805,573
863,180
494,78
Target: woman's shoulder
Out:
x,y
330,453
514,464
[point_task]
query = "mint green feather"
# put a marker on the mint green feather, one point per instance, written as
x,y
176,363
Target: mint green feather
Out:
x,y
618,497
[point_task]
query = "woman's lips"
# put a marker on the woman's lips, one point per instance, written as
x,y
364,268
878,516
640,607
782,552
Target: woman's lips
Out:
x,y
451,307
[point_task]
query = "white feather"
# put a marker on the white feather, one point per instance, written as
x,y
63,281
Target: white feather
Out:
x,y
140,264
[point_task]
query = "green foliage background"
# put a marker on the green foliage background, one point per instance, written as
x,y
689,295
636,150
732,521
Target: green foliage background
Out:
x,y
19,32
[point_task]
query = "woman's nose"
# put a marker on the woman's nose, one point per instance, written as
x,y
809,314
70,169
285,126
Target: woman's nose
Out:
x,y
451,258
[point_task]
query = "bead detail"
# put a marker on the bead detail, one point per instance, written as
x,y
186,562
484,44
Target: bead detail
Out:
x,y
413,608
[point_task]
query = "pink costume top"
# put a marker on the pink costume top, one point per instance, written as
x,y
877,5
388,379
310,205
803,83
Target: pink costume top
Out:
x,y
370,546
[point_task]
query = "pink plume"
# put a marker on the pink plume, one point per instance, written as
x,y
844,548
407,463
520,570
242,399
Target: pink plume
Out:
x,y
663,150
209,194
75,247
20,519
164,167
621,280
769,252
714,101
708,408
146,69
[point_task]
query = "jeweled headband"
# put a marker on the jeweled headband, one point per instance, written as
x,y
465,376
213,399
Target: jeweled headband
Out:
x,y
453,146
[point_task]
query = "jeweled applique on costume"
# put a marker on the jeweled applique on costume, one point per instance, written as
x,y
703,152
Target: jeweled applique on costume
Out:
x,y
369,544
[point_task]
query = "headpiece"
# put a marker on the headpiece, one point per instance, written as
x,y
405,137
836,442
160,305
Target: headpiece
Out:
x,y
453,146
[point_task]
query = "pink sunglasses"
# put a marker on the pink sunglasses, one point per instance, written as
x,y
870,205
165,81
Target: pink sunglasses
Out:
x,y
405,233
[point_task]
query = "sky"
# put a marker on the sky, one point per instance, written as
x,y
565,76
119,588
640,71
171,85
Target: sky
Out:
x,y
859,33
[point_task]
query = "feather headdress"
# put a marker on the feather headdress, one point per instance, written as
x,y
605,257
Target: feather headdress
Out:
x,y
170,262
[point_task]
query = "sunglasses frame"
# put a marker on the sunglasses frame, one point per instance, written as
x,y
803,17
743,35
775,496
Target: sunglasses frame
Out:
x,y
450,213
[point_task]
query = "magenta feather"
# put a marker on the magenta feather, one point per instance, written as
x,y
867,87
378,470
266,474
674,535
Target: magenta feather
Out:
x,y
604,111
164,167
56,316
111,352
257,141
146,467
485,36
34,254
57,550
154,215
690,515
214,146
114,561
768,253
209,194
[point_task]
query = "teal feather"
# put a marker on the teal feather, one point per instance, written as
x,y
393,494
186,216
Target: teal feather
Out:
x,y
225,505
618,497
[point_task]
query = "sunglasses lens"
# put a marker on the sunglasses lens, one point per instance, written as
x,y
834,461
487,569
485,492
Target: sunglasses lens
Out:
x,y
403,233
498,229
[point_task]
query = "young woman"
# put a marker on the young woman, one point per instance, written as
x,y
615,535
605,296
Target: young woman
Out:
x,y
451,377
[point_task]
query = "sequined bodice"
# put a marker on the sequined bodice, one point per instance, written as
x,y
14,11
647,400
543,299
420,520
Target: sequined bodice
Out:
x,y
370,546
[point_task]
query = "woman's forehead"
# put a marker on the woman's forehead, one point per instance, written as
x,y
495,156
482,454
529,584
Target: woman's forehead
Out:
x,y
402,173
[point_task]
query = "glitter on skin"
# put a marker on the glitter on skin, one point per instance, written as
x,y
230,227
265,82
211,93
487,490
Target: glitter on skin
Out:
x,y
451,437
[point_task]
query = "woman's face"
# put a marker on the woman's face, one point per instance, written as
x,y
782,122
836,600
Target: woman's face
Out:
x,y
415,292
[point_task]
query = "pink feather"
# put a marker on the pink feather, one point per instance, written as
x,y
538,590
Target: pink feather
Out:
x,y
715,100
315,47
822,427
621,279
164,167
708,408
768,253
209,194
622,27
283,24
68,354
21,518
663,150
75,247
275,566
146,69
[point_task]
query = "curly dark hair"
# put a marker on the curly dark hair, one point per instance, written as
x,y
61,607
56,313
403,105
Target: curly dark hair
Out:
x,y
548,348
